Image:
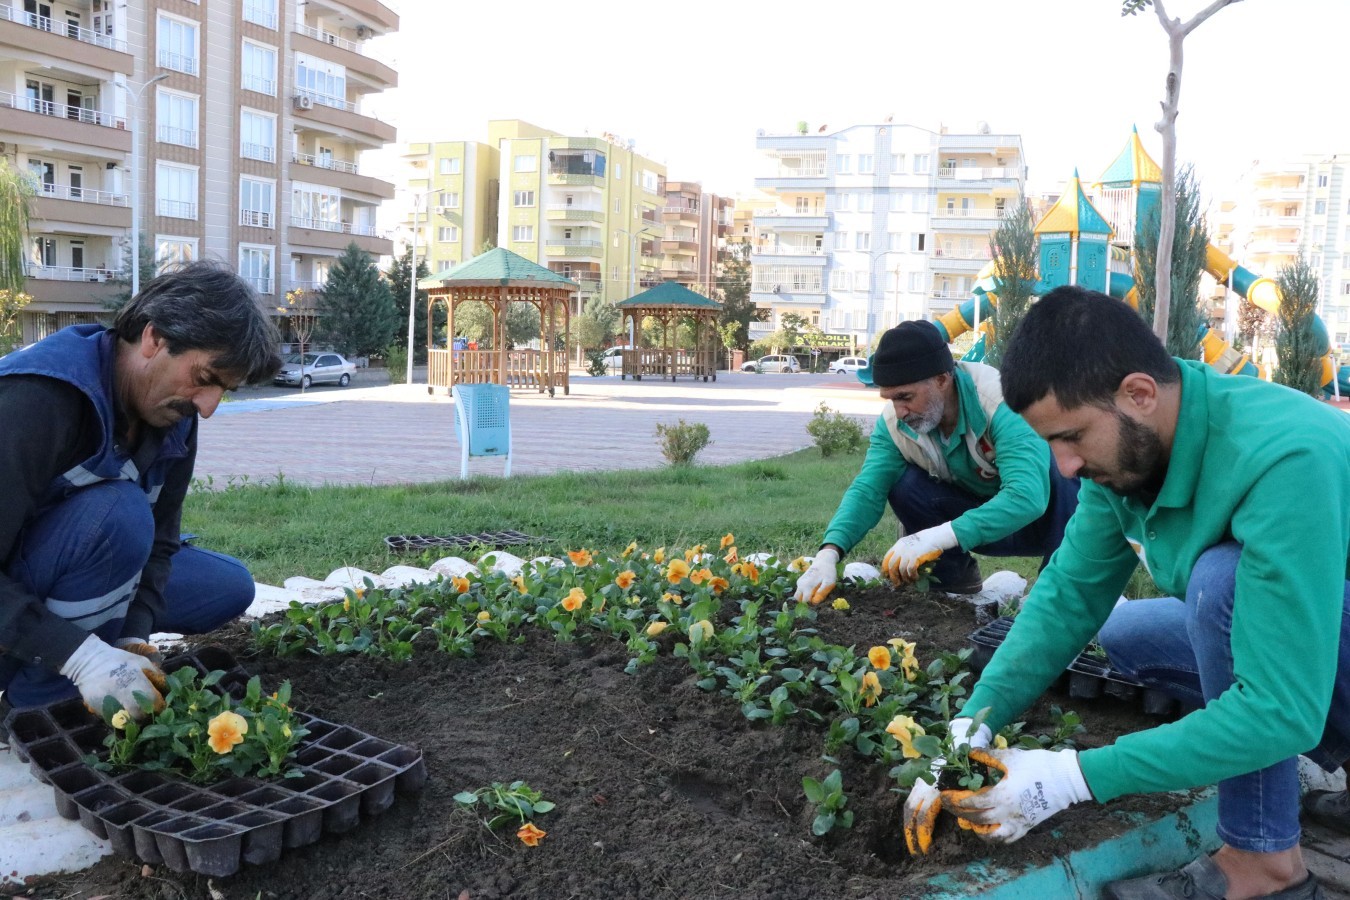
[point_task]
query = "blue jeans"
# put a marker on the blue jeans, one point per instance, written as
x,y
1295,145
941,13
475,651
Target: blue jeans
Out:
x,y
84,557
921,501
1183,649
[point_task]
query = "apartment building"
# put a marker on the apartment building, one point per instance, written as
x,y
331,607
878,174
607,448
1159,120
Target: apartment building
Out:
x,y
876,224
247,126
696,226
1283,209
589,208
454,184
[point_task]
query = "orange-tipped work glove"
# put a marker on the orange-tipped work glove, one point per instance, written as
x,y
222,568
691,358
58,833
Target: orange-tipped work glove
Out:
x,y
142,647
925,800
902,562
818,581
101,670
1036,784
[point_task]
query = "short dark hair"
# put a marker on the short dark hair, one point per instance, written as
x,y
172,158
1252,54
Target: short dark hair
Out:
x,y
1080,345
206,306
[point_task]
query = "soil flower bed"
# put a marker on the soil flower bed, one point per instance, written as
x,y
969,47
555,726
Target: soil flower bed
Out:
x,y
671,768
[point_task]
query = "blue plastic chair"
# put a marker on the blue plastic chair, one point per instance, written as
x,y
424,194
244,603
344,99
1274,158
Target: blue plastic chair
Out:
x,y
483,421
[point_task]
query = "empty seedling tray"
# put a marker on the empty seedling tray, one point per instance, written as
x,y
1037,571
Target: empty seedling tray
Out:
x,y
213,829
494,540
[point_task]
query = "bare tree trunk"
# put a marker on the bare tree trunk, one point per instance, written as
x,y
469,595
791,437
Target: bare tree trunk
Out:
x,y
1167,127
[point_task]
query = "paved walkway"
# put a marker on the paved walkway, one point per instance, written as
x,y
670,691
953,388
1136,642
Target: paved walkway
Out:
x,y
399,433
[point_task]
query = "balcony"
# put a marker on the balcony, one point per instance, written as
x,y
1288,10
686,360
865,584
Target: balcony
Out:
x,y
985,219
178,62
960,260
349,54
259,85
176,209
70,206
257,218
679,246
372,11
183,137
260,152
788,295
563,212
67,273
61,40
575,175
573,249
316,110
45,122
684,213
652,223
797,178
973,174
331,235
783,220
344,175
781,253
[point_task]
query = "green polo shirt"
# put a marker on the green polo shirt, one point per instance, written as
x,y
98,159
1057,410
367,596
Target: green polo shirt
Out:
x,y
1016,497
1251,462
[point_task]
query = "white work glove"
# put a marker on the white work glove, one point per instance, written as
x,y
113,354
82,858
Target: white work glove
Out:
x,y
1036,784
100,670
925,800
901,563
141,647
816,583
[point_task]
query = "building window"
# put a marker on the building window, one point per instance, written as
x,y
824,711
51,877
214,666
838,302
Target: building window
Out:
x,y
447,234
650,182
1322,181
261,12
920,203
1319,207
175,191
522,233
897,202
315,206
866,164
255,266
449,165
896,241
803,204
897,163
448,199
841,280
257,203
915,282
844,202
176,118
258,136
916,242
177,42
526,163
841,240
844,162
322,81
258,69
862,240
922,162
523,198
172,251
865,201
618,204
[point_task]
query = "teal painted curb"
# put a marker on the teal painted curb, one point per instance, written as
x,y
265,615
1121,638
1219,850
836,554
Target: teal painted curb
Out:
x,y
1154,846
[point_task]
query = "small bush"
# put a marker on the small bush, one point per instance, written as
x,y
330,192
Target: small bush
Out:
x,y
681,442
396,360
596,358
834,432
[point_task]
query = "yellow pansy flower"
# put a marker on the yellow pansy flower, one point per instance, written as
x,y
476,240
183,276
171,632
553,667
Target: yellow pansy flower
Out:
x,y
572,602
904,729
880,658
678,571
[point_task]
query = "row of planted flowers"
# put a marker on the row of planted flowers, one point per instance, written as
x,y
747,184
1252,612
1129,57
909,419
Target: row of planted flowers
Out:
x,y
724,615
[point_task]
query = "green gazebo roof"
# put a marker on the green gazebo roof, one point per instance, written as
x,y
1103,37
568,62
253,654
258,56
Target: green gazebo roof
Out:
x,y
498,266
670,293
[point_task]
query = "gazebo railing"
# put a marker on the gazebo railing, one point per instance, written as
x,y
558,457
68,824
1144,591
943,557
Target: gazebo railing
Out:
x,y
524,368
661,363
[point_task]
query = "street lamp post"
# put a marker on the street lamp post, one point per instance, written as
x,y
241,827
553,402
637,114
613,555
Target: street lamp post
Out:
x,y
873,256
135,180
412,288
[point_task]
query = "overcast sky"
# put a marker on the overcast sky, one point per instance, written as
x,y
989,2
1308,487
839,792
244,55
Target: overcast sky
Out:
x,y
692,82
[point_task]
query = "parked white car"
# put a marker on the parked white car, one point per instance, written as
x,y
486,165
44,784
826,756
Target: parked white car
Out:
x,y
773,364
613,358
317,368
847,365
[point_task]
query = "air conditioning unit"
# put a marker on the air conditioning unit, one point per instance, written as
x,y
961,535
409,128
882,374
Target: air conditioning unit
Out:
x,y
304,101
360,31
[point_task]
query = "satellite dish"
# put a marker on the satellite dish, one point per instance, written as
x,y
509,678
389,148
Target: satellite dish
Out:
x,y
982,127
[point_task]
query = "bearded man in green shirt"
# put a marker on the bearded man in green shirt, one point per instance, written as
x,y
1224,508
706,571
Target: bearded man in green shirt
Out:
x,y
1235,495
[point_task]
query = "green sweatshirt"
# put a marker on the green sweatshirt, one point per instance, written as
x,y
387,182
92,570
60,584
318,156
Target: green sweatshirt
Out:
x,y
1251,462
1016,497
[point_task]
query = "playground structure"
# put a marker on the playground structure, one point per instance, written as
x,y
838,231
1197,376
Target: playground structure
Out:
x,y
1079,245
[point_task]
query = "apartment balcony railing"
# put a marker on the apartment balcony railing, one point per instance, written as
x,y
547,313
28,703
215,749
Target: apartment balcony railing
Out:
x,y
43,23
261,14
183,137
986,213
948,294
327,37
942,253
325,162
789,250
179,62
677,210
337,227
256,218
60,110
575,243
326,100
975,173
789,213
262,152
68,273
797,172
303,286
260,85
654,224
176,209
81,194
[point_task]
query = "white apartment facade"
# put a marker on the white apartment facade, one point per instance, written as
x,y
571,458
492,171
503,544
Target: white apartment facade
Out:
x,y
876,224
247,123
1283,209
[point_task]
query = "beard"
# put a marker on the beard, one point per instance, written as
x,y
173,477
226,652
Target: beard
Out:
x,y
929,419
1140,468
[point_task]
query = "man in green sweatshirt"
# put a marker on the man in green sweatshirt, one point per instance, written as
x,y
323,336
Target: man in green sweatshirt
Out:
x,y
1235,495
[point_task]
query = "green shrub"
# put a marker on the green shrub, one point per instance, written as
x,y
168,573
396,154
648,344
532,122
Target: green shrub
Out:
x,y
396,358
596,358
681,442
834,432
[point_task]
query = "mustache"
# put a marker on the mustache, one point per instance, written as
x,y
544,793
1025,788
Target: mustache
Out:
x,y
184,408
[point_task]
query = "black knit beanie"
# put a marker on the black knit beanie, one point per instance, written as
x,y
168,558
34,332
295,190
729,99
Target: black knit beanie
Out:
x,y
910,352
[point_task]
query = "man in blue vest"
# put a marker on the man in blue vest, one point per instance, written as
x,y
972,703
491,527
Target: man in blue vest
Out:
x,y
98,435
1234,494
961,471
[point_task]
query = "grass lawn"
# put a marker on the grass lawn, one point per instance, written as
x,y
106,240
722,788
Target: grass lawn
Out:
x,y
780,506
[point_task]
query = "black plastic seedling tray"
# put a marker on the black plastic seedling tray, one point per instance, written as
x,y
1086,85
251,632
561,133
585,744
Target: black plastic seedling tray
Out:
x,y
156,817
495,540
1090,676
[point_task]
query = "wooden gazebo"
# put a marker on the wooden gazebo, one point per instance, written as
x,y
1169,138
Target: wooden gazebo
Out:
x,y
500,278
671,303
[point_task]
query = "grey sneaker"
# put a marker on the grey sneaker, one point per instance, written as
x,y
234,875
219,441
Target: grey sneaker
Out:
x,y
1199,879
1329,808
